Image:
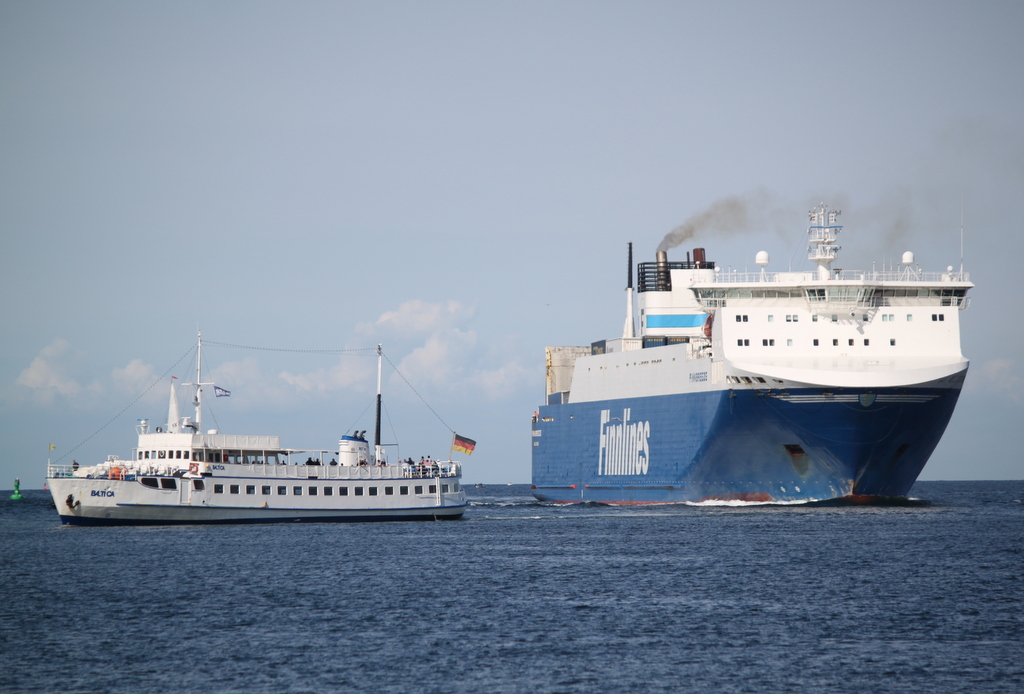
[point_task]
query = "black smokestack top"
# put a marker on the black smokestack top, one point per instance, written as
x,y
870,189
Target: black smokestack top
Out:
x,y
664,280
629,268
698,257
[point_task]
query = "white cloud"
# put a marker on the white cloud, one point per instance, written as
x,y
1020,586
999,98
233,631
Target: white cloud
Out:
x,y
417,316
133,378
45,375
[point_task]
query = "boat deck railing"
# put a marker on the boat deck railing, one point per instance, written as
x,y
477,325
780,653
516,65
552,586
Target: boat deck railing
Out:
x,y
129,471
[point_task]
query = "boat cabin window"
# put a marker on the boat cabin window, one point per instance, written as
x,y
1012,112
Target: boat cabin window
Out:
x,y
272,459
312,490
359,491
297,491
168,483
433,489
373,491
444,488
328,491
198,485
265,490
250,489
388,491
403,490
197,455
233,488
281,491
161,454
419,488
185,456
218,489
342,491
150,482
140,455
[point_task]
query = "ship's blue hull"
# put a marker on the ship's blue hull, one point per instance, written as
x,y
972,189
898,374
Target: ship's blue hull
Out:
x,y
745,444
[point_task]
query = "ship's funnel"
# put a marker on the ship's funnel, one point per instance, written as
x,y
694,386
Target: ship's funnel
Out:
x,y
699,259
664,282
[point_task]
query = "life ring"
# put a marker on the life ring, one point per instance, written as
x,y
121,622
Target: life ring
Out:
x,y
193,468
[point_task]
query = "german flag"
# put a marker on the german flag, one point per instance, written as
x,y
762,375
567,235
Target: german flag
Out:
x,y
463,445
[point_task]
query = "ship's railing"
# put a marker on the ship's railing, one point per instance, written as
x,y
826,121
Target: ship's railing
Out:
x,y
58,471
906,275
445,468
329,472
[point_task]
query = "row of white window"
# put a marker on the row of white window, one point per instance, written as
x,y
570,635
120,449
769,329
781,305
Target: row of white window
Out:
x,y
770,342
795,318
313,490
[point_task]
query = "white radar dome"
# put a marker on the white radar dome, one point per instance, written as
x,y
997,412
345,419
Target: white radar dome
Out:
x,y
761,258
908,258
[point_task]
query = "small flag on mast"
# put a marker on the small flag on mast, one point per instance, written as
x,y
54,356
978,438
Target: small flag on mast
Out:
x,y
463,445
221,392
52,447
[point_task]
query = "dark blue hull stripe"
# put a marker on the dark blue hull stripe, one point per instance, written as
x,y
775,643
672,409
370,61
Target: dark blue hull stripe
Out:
x,y
795,445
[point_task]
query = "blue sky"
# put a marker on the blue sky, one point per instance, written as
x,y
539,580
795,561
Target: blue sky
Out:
x,y
458,181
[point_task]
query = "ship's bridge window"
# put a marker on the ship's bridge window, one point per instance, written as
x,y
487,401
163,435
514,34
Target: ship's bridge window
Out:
x,y
185,455
197,455
938,317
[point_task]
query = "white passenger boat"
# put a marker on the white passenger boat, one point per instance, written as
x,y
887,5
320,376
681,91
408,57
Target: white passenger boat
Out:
x,y
176,474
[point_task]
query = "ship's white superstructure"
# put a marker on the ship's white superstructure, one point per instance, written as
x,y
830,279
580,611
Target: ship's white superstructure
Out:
x,y
176,474
743,381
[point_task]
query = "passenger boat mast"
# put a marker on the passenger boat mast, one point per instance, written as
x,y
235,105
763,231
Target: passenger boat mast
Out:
x,y
377,451
197,426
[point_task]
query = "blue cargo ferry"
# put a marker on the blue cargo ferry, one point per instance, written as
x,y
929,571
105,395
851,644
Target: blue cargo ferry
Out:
x,y
756,387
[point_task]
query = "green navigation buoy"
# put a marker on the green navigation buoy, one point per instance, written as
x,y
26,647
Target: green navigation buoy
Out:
x,y
17,490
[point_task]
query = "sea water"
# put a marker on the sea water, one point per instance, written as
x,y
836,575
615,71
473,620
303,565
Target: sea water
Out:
x,y
520,596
